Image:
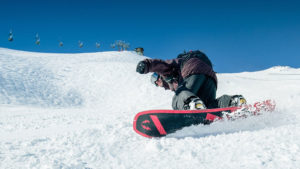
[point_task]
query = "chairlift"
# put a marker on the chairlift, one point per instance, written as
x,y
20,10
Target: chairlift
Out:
x,y
80,44
37,39
61,44
10,37
97,45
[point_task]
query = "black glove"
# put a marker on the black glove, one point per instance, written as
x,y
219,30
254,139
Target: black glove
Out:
x,y
141,67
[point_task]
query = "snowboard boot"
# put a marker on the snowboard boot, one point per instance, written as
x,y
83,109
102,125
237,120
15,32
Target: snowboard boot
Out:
x,y
195,104
237,101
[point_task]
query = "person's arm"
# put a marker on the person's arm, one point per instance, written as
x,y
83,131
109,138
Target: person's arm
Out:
x,y
159,66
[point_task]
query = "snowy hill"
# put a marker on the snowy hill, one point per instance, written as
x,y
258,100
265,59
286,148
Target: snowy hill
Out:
x,y
76,111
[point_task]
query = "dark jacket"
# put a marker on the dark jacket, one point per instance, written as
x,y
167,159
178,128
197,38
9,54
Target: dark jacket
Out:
x,y
173,68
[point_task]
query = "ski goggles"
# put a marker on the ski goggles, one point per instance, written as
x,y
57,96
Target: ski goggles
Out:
x,y
154,78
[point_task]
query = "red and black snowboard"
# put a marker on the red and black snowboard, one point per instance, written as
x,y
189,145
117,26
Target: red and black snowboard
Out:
x,y
158,123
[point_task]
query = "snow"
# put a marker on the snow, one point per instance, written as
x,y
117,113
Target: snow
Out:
x,y
77,110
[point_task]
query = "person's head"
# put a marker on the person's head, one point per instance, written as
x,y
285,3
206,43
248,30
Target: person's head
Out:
x,y
157,80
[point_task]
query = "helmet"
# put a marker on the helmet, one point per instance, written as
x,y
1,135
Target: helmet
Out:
x,y
154,78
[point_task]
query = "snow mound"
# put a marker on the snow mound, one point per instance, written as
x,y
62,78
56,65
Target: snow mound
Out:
x,y
280,68
62,80
25,83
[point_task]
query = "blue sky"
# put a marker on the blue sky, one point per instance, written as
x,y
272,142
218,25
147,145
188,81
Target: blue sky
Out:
x,y
237,35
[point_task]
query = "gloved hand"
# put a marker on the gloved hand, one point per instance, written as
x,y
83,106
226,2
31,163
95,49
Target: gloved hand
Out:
x,y
141,67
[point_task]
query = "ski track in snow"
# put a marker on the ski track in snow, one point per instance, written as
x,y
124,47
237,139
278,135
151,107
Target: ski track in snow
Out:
x,y
76,111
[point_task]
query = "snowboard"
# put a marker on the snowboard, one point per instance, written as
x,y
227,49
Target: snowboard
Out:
x,y
159,123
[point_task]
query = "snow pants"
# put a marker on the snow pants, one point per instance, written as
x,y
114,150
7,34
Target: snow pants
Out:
x,y
197,85
200,86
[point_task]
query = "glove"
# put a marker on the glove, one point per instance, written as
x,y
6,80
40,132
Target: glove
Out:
x,y
141,67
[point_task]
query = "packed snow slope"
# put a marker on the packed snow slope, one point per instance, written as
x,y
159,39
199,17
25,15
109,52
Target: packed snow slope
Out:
x,y
76,111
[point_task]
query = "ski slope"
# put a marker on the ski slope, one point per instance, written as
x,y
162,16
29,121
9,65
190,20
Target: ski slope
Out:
x,y
76,111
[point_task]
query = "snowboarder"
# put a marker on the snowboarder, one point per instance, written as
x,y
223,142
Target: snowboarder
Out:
x,y
192,78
